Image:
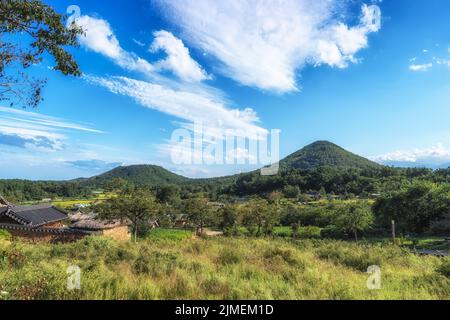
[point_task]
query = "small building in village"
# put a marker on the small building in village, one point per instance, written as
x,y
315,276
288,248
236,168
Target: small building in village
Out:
x,y
45,223
39,223
89,222
181,221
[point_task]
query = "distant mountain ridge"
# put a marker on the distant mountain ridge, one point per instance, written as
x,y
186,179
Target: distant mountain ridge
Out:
x,y
316,155
408,164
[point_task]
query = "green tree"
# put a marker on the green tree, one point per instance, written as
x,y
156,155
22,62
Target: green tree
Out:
x,y
168,194
117,185
137,206
229,217
354,218
36,29
198,212
295,229
260,214
414,208
291,192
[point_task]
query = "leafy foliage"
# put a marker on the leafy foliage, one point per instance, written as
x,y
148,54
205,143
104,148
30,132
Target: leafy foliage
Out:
x,y
29,29
136,206
416,207
198,212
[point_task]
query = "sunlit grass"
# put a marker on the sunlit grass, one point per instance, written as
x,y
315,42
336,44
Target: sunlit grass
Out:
x,y
174,265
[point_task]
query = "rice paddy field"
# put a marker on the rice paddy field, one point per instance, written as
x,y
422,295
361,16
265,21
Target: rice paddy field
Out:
x,y
175,265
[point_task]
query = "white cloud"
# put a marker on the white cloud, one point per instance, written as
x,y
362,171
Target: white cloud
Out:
x,y
440,61
420,67
43,120
178,59
188,100
193,106
19,128
139,43
264,43
100,38
437,154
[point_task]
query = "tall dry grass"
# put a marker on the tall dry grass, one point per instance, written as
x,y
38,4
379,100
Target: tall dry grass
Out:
x,y
220,268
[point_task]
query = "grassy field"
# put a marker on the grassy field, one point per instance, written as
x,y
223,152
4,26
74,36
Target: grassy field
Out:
x,y
172,264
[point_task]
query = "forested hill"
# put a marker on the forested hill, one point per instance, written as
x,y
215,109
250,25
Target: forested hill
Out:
x,y
149,175
321,166
324,153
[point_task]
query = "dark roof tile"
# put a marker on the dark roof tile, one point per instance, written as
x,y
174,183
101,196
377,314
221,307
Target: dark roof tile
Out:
x,y
37,215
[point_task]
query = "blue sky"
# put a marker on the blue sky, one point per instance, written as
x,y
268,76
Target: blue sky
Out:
x,y
371,76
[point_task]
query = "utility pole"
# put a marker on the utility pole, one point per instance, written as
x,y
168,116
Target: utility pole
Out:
x,y
393,231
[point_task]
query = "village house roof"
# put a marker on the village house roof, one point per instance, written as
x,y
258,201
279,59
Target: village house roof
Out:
x,y
78,216
3,202
33,216
56,231
96,224
89,221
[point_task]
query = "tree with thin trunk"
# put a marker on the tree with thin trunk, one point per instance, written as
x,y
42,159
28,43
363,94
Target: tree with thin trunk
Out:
x,y
28,30
137,206
259,213
354,218
198,212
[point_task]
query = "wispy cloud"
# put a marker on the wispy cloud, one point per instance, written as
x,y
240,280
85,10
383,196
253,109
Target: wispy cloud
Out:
x,y
184,96
42,120
264,44
193,106
16,140
22,129
420,67
94,165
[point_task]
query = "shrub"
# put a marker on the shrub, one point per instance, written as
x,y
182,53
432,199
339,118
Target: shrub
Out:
x,y
232,232
229,256
155,263
283,233
356,257
5,235
439,228
445,268
169,234
333,232
287,255
310,232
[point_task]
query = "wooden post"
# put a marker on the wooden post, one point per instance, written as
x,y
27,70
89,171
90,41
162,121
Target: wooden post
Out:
x,y
393,231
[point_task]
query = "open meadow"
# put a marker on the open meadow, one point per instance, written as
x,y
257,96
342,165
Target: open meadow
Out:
x,y
176,265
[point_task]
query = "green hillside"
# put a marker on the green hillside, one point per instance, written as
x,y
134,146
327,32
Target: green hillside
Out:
x,y
139,175
326,154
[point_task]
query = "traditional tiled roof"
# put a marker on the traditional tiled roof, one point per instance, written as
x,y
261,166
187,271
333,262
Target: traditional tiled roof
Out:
x,y
15,227
34,216
3,202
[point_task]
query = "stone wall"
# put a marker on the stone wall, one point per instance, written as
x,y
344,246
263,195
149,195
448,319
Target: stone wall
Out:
x,y
119,233
34,236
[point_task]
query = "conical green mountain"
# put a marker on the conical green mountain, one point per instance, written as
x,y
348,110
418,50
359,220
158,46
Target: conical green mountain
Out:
x,y
324,153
